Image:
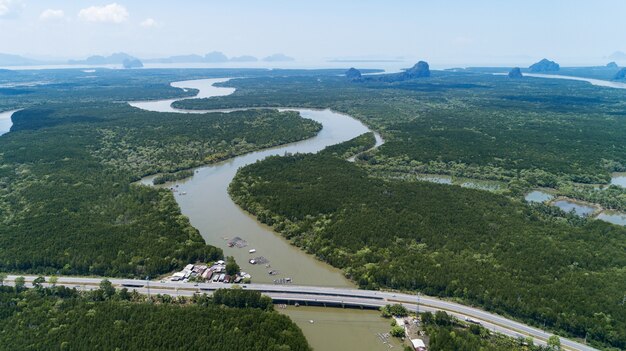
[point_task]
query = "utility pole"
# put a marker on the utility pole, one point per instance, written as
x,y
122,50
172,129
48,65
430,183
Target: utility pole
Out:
x,y
148,285
418,303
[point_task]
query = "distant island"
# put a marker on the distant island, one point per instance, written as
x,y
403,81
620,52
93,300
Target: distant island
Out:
x,y
177,59
544,65
244,58
621,74
353,74
215,56
612,65
515,73
364,60
16,60
419,70
132,63
211,57
121,57
278,58
114,59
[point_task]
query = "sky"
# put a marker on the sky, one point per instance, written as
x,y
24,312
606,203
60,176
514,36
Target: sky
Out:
x,y
445,31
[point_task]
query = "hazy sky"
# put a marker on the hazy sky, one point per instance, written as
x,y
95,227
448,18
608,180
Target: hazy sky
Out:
x,y
453,31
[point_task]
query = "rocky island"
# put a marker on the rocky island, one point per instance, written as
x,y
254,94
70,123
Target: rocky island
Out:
x,y
132,63
353,74
516,73
419,70
612,64
621,74
544,65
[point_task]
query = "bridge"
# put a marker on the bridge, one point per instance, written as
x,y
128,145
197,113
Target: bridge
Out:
x,y
326,296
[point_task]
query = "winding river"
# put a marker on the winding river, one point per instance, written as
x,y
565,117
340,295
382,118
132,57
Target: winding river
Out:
x,y
205,200
596,82
210,209
5,121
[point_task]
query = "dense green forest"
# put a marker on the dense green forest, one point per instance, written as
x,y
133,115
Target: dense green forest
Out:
x,y
523,133
66,198
467,124
351,147
25,88
59,318
535,263
170,177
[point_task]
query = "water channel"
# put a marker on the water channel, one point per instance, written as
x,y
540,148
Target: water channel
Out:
x,y
204,199
580,208
619,179
596,82
5,121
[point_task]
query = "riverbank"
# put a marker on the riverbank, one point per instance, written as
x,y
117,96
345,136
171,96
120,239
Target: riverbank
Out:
x,y
5,121
205,200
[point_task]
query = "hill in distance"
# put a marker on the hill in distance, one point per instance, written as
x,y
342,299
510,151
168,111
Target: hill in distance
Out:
x,y
114,59
278,58
16,60
544,65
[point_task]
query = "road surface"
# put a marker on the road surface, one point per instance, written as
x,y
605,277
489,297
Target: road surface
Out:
x,y
328,296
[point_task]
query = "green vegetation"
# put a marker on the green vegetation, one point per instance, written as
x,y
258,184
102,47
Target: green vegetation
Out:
x,y
613,197
170,177
397,310
141,143
532,262
526,133
232,267
64,185
483,248
20,89
352,147
64,319
242,299
446,333
397,331
67,203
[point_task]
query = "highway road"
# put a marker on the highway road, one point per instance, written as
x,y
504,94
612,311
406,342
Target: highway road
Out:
x,y
327,296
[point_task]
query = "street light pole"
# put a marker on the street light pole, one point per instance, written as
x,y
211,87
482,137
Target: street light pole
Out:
x,y
418,303
148,285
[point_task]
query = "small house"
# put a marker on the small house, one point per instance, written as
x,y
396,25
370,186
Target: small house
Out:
x,y
418,344
178,276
